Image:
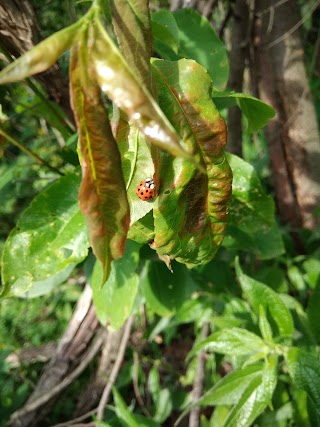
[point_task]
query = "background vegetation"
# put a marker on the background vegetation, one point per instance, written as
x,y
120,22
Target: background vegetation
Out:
x,y
231,342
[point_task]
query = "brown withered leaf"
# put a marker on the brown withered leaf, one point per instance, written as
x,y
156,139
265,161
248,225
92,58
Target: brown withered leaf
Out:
x,y
102,196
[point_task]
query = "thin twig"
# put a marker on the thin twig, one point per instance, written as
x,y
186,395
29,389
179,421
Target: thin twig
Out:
x,y
194,418
136,384
76,420
296,26
30,153
37,403
115,370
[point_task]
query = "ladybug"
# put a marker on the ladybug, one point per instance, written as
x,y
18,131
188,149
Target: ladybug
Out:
x,y
145,190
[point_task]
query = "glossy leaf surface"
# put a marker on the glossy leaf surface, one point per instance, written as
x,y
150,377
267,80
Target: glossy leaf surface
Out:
x,y
42,56
251,224
102,196
49,240
191,210
114,301
117,80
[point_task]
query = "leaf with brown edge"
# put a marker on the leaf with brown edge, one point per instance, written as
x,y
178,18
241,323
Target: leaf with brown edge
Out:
x,y
102,196
131,21
117,80
191,211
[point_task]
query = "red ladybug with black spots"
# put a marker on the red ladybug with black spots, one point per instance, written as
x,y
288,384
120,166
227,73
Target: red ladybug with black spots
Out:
x,y
146,189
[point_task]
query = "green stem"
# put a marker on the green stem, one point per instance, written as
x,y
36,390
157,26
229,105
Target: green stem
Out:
x,y
29,153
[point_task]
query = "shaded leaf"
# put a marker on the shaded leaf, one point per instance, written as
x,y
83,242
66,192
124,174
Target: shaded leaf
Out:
x,y
259,294
191,211
114,301
165,291
198,40
131,22
256,112
42,56
304,370
103,197
118,81
251,226
49,240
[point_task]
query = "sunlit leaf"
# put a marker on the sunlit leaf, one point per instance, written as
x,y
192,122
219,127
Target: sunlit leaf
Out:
x,y
199,41
48,241
114,301
259,294
256,112
251,226
137,165
233,341
117,80
103,198
165,32
191,210
42,56
132,27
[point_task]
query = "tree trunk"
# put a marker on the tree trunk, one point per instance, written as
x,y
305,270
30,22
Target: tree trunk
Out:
x,y
293,136
238,55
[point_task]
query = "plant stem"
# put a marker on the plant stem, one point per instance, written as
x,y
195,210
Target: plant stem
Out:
x,y
29,153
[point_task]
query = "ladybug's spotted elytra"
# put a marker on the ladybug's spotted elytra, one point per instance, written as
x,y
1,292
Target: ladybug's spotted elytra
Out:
x,y
145,190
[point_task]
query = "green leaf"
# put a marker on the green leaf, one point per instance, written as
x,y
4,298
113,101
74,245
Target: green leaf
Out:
x,y
103,197
165,291
234,342
258,295
248,407
118,81
165,32
251,225
131,22
230,388
115,300
42,56
313,312
137,164
264,325
198,40
191,210
125,415
304,370
163,406
142,231
49,240
256,112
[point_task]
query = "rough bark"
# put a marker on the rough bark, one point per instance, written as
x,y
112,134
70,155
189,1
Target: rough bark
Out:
x,y
19,33
293,136
238,55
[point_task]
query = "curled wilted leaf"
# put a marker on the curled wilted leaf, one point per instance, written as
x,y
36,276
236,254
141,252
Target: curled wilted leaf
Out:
x,y
191,210
117,80
42,56
103,198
